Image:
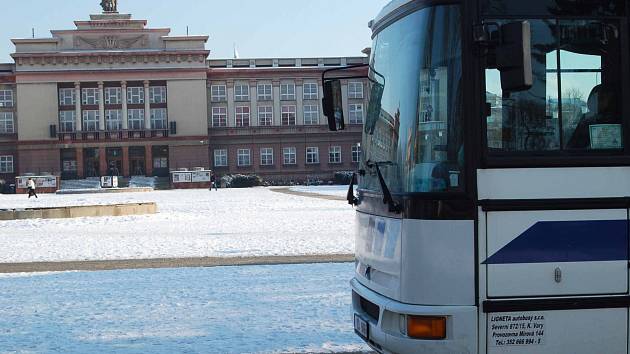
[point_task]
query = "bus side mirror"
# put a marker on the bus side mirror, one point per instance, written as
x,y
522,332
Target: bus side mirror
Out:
x,y
333,105
514,56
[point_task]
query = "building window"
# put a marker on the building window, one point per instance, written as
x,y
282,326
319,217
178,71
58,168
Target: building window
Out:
x,y
135,95
355,90
242,116
311,115
265,116
160,162
135,119
288,115
334,154
67,97
356,153
67,121
218,93
6,164
312,155
90,96
241,92
244,157
113,119
287,92
6,123
220,158
290,156
219,117
157,94
356,114
266,157
113,95
158,118
265,92
90,121
310,91
6,98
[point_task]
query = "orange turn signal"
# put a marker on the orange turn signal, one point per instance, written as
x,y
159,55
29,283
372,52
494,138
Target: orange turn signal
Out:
x,y
425,327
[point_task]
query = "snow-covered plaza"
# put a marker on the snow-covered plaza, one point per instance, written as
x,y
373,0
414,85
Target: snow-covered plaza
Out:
x,y
247,309
189,223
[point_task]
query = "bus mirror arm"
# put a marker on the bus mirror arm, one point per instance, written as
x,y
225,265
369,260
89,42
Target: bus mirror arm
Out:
x,y
352,200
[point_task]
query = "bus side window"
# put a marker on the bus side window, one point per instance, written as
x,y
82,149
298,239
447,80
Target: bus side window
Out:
x,y
573,104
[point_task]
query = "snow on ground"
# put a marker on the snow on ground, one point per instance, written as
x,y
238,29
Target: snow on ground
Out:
x,y
90,183
247,309
190,223
141,182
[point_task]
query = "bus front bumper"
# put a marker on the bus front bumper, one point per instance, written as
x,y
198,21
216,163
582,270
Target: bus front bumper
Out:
x,y
381,322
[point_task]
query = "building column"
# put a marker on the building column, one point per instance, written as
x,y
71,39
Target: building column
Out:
x,y
102,161
80,167
277,117
299,95
253,111
147,107
148,164
77,107
231,111
125,161
101,107
123,95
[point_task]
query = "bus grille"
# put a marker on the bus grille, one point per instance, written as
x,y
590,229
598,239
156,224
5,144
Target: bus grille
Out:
x,y
369,308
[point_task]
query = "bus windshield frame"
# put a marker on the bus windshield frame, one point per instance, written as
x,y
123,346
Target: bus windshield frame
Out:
x,y
414,128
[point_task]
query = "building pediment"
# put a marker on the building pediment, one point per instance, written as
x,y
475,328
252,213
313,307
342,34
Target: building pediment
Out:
x,y
110,42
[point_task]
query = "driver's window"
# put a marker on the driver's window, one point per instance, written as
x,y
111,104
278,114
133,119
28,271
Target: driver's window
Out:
x,y
574,103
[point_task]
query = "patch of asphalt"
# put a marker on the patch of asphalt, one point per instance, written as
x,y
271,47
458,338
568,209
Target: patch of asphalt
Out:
x,y
307,194
35,267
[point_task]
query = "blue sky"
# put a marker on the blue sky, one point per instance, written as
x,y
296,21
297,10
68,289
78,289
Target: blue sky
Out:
x,y
273,28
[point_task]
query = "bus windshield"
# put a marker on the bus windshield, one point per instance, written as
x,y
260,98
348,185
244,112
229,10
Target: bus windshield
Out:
x,y
414,129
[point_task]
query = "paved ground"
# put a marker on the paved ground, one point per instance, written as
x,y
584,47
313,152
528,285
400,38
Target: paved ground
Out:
x,y
169,263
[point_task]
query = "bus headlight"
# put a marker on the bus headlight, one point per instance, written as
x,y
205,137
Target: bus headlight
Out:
x,y
426,327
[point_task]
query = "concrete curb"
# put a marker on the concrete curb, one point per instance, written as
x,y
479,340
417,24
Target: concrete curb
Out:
x,y
170,263
307,194
79,211
105,190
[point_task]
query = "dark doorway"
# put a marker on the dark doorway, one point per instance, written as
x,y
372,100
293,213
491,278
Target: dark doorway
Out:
x,y
114,160
90,162
137,161
160,160
69,164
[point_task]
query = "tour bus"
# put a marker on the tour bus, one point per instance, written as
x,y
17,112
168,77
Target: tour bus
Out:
x,y
494,185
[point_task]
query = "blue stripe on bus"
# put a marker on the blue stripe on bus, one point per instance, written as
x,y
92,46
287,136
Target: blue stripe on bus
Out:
x,y
567,241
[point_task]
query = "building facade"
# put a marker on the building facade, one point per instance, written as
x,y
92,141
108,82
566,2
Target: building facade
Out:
x,y
266,117
115,95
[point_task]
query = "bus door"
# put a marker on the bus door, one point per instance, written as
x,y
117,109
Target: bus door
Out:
x,y
556,236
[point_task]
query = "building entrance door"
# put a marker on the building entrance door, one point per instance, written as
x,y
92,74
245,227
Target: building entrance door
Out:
x,y
114,161
137,161
90,162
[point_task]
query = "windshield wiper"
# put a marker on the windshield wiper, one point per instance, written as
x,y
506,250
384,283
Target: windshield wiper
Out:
x,y
394,206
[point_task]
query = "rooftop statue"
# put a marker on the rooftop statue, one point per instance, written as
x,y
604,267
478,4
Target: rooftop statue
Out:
x,y
109,5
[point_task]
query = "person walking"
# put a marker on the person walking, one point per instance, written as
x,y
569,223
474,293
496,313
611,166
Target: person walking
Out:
x,y
30,185
213,182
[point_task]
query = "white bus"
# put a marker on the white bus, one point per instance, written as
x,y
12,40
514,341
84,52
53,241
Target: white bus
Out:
x,y
494,184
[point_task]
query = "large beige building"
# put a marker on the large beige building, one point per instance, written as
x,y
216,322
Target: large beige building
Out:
x,y
113,93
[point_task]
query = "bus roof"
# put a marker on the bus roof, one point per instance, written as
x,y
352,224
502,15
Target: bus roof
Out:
x,y
393,5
